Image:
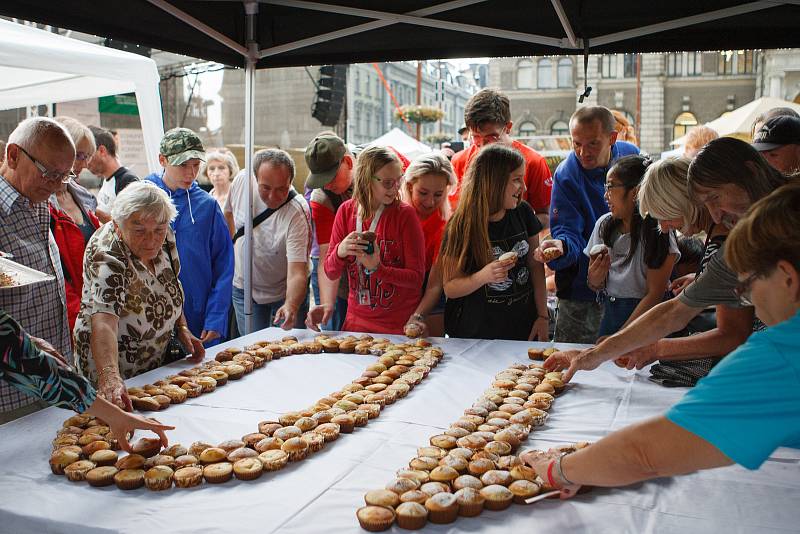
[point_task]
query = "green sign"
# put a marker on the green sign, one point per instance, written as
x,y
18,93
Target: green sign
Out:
x,y
119,104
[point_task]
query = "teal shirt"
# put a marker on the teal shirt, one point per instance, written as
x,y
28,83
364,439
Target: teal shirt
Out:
x,y
749,405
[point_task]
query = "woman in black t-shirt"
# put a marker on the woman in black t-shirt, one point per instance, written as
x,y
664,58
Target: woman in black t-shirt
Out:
x,y
490,298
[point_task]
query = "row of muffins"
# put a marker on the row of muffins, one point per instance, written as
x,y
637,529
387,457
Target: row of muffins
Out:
x,y
85,450
472,466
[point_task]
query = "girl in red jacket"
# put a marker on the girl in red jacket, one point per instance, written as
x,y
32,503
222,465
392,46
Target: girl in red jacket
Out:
x,y
377,242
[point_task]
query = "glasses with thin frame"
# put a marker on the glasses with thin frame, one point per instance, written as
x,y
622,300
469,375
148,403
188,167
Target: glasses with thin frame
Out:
x,y
47,174
610,185
744,288
390,183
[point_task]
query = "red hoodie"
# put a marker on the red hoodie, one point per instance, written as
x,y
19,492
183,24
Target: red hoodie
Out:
x,y
396,288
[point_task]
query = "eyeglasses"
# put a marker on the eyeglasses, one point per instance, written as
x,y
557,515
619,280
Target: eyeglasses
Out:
x,y
48,175
609,185
390,183
744,288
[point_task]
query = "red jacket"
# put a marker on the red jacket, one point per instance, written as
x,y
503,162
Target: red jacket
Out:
x,y
71,245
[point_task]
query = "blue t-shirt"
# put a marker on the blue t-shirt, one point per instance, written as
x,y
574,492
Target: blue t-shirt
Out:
x,y
749,405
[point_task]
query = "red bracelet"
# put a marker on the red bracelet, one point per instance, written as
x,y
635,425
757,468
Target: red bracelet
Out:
x,y
550,480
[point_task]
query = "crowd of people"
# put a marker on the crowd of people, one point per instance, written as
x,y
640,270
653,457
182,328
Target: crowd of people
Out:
x,y
677,261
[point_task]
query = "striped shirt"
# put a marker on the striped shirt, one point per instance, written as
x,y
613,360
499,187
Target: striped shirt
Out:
x,y
39,308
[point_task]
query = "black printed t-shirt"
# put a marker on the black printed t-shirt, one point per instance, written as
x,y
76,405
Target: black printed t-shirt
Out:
x,y
504,310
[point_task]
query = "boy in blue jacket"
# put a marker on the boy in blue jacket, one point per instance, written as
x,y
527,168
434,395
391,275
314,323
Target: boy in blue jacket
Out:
x,y
201,234
577,202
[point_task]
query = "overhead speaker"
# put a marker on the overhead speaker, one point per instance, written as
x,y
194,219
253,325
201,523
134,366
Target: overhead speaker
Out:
x,y
331,93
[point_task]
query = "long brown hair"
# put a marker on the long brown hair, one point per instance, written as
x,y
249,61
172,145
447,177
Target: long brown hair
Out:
x,y
466,247
370,161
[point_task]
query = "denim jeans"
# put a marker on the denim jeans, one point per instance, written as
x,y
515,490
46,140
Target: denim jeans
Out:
x,y
263,314
615,312
340,308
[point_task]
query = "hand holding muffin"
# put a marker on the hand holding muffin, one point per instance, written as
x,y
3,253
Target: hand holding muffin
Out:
x,y
121,423
549,250
547,465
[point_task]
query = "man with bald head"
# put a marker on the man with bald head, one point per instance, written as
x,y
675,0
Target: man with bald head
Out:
x,y
39,158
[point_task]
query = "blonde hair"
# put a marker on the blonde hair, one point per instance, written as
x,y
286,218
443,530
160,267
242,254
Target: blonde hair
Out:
x,y
698,137
435,163
624,128
767,233
370,161
664,194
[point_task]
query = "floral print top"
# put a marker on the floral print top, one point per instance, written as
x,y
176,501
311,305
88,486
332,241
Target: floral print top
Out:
x,y
148,304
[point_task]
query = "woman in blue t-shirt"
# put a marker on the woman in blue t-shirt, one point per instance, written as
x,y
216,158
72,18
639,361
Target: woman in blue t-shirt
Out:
x,y
630,258
716,424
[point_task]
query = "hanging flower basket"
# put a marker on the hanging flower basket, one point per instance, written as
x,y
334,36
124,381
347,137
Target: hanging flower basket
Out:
x,y
438,138
419,114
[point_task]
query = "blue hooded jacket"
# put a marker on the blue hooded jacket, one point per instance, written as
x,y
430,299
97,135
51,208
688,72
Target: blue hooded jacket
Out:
x,y
577,202
205,250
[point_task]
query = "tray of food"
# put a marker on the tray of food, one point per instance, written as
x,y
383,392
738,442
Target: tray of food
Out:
x,y
13,274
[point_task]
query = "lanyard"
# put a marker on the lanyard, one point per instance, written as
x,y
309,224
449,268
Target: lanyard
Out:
x,y
374,224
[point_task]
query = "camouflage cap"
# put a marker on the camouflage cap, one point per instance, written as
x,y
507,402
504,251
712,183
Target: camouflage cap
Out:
x,y
179,145
323,156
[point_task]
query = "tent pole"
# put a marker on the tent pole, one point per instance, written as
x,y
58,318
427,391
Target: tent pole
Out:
x,y
251,9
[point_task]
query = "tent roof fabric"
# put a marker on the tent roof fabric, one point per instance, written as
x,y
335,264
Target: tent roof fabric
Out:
x,y
610,26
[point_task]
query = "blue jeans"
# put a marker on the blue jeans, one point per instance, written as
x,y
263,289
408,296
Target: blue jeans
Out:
x,y
263,314
340,308
615,312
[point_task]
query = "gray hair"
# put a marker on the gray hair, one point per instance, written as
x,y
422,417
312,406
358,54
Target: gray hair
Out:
x,y
433,163
664,194
225,157
146,198
588,114
77,131
31,131
273,156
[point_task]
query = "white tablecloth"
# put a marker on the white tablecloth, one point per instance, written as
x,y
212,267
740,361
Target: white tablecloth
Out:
x,y
321,494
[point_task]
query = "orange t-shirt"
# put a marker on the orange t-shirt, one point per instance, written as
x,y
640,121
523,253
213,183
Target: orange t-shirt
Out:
x,y
538,179
432,229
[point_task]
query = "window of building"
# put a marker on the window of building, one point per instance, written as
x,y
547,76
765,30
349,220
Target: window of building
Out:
x,y
683,123
357,83
368,122
559,128
608,66
675,64
725,65
709,63
527,129
544,73
525,74
694,63
565,72
359,131
629,66
744,64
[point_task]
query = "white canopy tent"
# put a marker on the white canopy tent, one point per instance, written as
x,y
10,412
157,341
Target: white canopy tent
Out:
x,y
403,143
737,123
39,67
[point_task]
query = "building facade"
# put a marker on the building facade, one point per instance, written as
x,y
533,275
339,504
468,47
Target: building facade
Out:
x,y
669,93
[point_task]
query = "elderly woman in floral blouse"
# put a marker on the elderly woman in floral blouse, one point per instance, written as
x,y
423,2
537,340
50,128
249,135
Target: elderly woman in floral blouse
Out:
x,y
132,299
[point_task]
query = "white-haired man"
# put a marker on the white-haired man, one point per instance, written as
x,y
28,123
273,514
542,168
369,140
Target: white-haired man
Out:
x,y
39,158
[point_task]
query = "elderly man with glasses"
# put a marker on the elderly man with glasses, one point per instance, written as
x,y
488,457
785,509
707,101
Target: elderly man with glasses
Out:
x,y
39,159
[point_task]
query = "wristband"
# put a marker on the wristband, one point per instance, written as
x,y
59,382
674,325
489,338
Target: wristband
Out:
x,y
560,471
550,481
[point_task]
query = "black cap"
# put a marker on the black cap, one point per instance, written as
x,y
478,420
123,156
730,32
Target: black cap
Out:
x,y
776,132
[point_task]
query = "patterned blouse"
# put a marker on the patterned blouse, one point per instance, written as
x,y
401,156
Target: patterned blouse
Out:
x,y
147,304
38,374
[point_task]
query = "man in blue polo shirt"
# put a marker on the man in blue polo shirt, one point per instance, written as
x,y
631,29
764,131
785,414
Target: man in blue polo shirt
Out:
x,y
577,202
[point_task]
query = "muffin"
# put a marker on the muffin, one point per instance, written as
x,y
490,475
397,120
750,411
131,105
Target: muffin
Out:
x,y
104,457
129,479
158,478
382,497
329,431
480,466
411,515
273,460
467,481
240,454
101,476
175,450
497,497
523,472
76,471
444,474
295,448
417,496
442,508
424,463
375,518
186,460
420,476
314,441
402,485
287,432
218,473
147,447
536,354
470,502
248,468
188,477
523,489
346,423
268,427
212,455
443,441
131,461
61,458
231,445
496,476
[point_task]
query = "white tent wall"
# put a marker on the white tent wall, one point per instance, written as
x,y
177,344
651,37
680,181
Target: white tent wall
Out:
x,y
39,67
